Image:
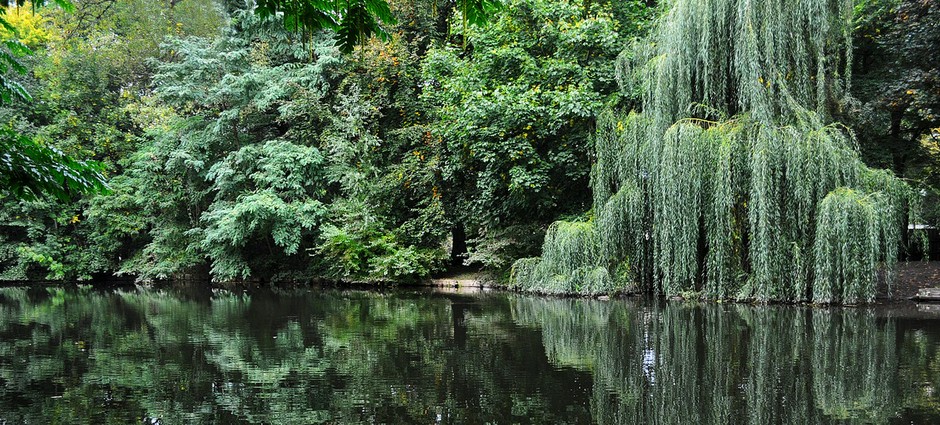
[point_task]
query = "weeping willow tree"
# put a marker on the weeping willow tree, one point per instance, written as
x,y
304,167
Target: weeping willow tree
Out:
x,y
733,181
570,262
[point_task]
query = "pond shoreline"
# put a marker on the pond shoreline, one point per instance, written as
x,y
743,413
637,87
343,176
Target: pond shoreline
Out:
x,y
910,277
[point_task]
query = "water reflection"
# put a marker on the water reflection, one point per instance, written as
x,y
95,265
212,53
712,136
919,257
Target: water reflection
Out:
x,y
678,363
197,356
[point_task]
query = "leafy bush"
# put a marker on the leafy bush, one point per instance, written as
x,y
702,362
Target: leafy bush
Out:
x,y
372,254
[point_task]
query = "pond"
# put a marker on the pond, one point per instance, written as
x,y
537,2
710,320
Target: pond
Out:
x,y
198,356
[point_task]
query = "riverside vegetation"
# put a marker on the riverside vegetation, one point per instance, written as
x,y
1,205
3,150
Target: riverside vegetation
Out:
x,y
727,154
732,180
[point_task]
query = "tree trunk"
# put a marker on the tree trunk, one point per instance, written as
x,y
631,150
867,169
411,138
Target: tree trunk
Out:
x,y
458,251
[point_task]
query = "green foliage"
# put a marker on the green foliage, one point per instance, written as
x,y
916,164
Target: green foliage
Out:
x,y
230,152
734,57
371,254
570,263
11,89
259,148
42,241
11,50
64,4
855,237
478,12
354,21
29,170
515,114
896,109
255,151
87,83
741,207
242,193
233,226
496,248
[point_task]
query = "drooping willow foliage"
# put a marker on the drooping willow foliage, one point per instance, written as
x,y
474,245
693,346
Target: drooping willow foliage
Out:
x,y
732,181
569,263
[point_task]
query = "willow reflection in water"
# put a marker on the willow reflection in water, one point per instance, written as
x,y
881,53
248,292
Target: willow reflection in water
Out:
x,y
405,357
680,364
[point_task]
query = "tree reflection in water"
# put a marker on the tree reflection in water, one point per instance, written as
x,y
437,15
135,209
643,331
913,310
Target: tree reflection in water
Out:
x,y
685,363
286,357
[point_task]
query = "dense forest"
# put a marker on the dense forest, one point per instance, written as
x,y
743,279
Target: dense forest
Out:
x,y
435,135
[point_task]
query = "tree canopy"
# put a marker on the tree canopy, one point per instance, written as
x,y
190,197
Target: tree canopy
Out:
x,y
29,169
686,148
733,181
355,21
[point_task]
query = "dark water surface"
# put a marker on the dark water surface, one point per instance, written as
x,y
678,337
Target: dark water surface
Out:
x,y
326,356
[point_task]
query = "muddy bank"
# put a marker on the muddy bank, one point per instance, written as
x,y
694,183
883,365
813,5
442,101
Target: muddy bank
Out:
x,y
912,276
